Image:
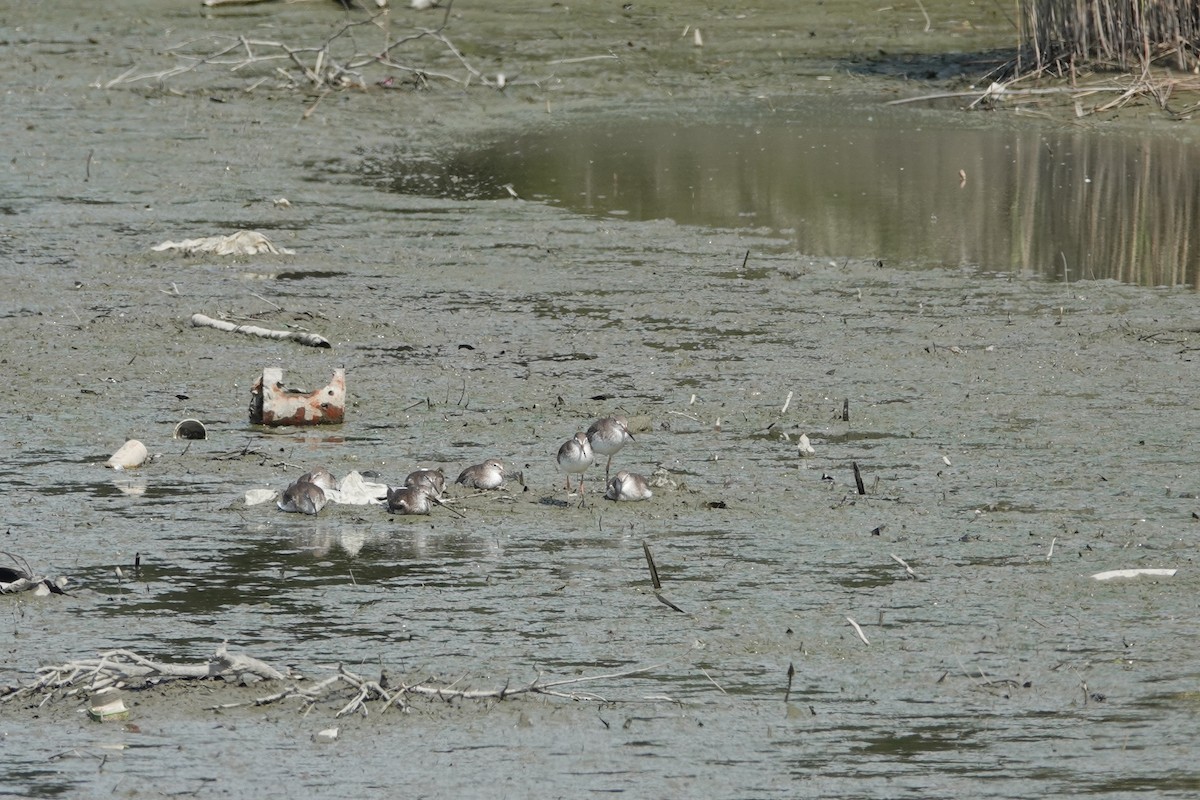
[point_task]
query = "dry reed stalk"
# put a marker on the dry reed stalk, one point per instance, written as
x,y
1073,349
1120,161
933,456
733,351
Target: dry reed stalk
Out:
x,y
1129,34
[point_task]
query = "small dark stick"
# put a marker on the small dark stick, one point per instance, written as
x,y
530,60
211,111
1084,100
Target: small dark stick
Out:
x,y
667,602
791,675
137,566
858,478
745,260
846,410
451,509
654,581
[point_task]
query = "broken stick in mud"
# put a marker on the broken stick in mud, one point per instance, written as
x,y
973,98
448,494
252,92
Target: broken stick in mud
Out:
x,y
310,339
655,582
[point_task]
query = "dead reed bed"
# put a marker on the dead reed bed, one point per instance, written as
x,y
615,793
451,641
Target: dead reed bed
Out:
x,y
1127,35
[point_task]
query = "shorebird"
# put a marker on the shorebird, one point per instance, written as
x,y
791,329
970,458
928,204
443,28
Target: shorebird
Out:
x,y
607,436
488,475
575,456
628,486
319,477
409,500
432,480
303,497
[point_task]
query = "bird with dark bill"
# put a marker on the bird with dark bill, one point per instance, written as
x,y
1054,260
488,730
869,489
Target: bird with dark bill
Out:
x,y
607,436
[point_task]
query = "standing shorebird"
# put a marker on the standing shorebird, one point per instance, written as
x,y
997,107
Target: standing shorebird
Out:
x,y
607,436
575,456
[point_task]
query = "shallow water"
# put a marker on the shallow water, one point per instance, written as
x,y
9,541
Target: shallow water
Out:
x,y
1015,436
842,179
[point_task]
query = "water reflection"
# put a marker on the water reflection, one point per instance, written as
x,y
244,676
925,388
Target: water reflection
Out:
x,y
875,184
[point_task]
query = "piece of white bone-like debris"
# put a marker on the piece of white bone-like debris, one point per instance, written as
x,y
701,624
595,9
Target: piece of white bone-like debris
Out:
x,y
1131,573
242,243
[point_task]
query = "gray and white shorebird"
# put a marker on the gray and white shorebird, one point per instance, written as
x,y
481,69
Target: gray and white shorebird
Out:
x,y
433,480
488,475
409,500
607,436
574,457
303,497
628,486
319,477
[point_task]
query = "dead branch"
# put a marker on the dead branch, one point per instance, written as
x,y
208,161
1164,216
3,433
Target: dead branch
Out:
x,y
655,582
117,668
125,668
310,339
322,66
1147,85
858,629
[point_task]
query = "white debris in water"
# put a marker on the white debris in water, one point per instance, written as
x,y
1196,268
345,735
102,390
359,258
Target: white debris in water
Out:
x,y
242,243
255,497
356,491
1131,573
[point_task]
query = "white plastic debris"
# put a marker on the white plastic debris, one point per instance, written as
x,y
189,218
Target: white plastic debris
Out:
x,y
356,491
107,706
1131,573
128,456
256,497
242,243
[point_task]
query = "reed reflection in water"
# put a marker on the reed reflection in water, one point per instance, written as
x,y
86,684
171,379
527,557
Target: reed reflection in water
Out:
x,y
1054,203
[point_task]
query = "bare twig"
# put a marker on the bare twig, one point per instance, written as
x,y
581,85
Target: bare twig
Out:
x,y
310,339
713,682
654,581
858,629
903,563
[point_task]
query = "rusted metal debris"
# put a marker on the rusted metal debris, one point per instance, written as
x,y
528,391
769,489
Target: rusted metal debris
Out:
x,y
272,403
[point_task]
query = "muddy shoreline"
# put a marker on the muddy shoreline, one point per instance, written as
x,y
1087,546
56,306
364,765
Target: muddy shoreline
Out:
x,y
1016,436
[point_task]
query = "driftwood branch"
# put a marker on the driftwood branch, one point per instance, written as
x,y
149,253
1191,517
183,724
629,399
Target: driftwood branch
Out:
x,y
1158,88
337,62
310,339
368,690
125,668
117,668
